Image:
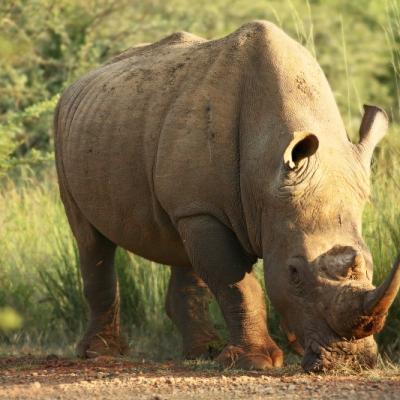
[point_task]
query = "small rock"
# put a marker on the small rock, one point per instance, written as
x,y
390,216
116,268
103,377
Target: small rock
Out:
x,y
36,385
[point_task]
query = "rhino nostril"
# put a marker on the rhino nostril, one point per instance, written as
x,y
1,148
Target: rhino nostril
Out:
x,y
368,327
312,362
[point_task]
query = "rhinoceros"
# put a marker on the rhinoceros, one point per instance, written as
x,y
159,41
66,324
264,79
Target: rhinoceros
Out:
x,y
206,155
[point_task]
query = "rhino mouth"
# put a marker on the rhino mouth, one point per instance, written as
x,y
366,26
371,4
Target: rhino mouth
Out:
x,y
344,354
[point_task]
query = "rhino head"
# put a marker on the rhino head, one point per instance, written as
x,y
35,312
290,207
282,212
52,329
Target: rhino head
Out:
x,y
318,270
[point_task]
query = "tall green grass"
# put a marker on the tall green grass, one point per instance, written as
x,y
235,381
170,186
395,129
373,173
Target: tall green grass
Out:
x,y
40,277
382,227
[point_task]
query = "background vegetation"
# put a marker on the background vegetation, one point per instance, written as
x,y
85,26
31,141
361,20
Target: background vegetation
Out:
x,y
47,44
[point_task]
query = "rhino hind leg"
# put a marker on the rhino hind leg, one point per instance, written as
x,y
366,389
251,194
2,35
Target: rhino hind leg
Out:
x,y
187,302
103,334
219,260
100,285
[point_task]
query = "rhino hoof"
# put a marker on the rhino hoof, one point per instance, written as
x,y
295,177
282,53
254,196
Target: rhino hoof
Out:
x,y
253,359
99,345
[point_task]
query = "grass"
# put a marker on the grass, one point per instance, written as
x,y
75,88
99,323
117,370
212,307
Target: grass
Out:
x,y
382,229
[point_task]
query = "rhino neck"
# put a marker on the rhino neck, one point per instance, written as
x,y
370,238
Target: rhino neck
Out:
x,y
284,90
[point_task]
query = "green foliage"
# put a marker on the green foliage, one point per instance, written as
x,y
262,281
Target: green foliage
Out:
x,y
7,145
12,145
45,45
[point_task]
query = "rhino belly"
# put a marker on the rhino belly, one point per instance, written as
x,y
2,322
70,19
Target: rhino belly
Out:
x,y
120,205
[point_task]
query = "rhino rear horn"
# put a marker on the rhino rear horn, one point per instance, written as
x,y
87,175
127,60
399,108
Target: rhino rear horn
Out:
x,y
373,127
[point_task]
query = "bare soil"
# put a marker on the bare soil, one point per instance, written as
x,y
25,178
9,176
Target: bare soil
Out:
x,y
51,377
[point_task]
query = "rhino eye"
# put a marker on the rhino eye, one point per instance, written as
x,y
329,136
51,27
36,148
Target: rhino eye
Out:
x,y
296,281
294,275
296,268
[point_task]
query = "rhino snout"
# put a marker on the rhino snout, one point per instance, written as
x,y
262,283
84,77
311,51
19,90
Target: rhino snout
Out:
x,y
356,354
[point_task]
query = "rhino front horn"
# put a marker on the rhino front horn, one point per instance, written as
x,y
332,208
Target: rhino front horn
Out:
x,y
377,302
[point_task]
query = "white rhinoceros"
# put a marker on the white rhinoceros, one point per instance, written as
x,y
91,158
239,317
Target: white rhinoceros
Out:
x,y
206,155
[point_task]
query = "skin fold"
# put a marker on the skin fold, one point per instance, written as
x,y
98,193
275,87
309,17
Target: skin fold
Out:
x,y
206,155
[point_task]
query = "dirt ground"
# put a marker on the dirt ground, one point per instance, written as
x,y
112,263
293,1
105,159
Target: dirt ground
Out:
x,y
51,377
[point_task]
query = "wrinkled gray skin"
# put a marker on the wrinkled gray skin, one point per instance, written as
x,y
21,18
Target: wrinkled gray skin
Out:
x,y
206,155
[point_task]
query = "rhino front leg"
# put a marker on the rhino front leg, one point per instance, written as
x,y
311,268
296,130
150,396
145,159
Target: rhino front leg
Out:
x,y
218,258
187,302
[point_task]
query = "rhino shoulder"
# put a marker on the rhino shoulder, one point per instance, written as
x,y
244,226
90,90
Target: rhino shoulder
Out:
x,y
258,32
258,27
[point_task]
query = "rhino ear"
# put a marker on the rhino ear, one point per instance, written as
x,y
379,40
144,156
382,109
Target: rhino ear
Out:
x,y
302,145
373,127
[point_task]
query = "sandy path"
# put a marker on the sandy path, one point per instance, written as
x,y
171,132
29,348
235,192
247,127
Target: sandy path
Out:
x,y
55,378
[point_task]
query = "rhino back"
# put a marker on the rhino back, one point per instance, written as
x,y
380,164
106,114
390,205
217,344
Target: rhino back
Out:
x,y
136,141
